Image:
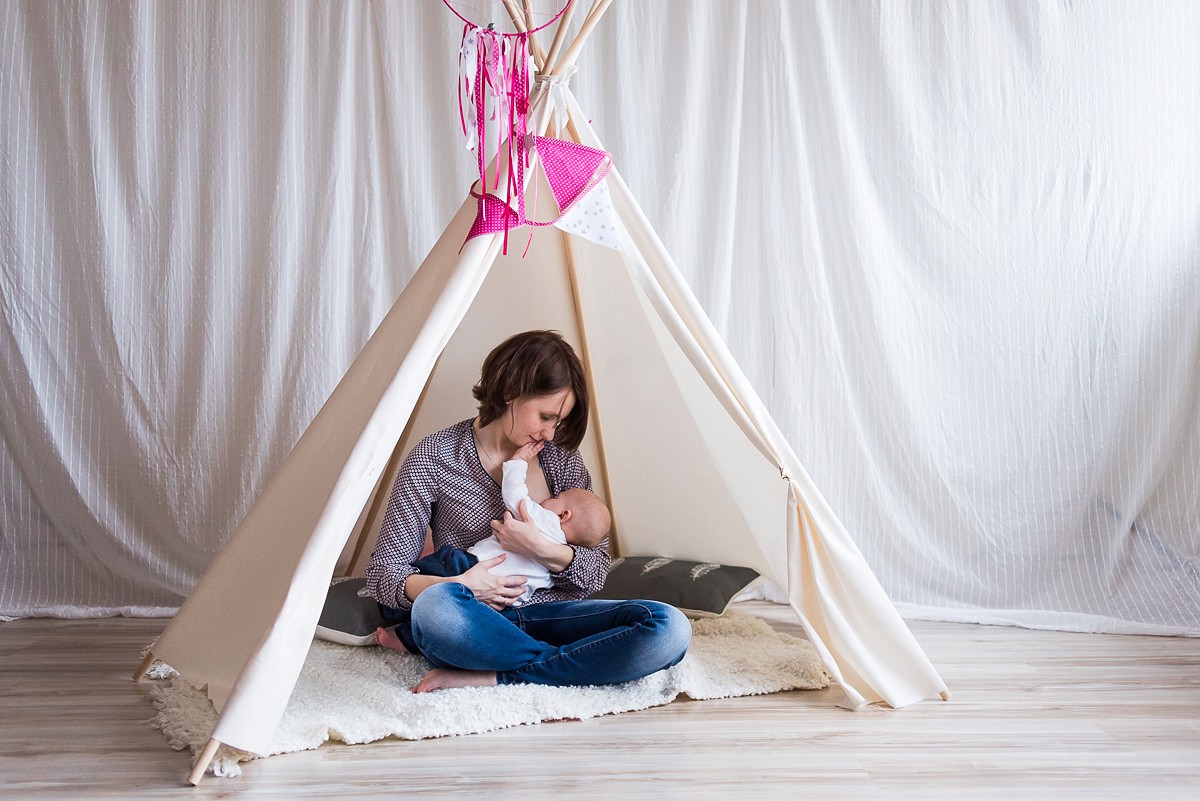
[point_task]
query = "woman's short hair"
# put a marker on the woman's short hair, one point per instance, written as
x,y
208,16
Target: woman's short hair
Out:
x,y
533,364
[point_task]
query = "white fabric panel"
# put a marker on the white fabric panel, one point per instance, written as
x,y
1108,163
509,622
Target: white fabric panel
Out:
x,y
207,208
953,247
956,254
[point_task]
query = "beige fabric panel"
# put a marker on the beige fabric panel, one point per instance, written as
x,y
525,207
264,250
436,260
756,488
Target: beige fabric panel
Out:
x,y
247,625
686,483
861,641
840,602
518,295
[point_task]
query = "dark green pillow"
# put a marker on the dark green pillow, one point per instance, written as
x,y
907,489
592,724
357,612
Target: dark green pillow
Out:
x,y
698,589
349,616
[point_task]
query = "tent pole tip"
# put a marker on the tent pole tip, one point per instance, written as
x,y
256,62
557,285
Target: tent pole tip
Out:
x,y
145,666
202,762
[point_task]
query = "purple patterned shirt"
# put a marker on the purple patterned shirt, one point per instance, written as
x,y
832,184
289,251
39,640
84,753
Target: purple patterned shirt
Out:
x,y
443,485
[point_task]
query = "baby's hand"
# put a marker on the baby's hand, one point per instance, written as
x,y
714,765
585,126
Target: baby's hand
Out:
x,y
529,450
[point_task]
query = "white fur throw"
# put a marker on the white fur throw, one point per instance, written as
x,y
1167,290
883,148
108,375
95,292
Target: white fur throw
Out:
x,y
356,695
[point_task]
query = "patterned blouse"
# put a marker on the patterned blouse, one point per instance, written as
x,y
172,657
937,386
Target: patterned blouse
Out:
x,y
443,485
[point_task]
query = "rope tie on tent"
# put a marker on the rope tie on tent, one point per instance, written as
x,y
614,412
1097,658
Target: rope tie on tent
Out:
x,y
556,86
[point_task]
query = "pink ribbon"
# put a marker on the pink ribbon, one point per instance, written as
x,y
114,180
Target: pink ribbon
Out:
x,y
500,93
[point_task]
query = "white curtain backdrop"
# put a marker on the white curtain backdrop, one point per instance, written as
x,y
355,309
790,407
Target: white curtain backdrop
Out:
x,y
955,246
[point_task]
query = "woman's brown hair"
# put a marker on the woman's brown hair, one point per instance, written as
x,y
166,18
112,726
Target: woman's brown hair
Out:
x,y
532,364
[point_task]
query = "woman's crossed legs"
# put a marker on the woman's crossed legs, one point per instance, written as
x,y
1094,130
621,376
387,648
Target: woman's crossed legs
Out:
x,y
556,643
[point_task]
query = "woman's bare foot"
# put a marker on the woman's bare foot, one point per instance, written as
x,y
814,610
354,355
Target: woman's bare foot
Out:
x,y
388,639
444,679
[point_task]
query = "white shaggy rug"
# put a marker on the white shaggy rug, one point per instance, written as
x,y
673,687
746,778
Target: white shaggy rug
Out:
x,y
356,695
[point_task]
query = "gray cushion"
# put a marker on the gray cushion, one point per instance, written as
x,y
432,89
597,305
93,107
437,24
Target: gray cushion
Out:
x,y
698,589
348,617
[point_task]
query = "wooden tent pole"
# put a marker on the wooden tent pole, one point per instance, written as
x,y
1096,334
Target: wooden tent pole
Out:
x,y
593,14
593,17
594,408
514,13
202,762
538,52
519,21
145,666
560,34
614,539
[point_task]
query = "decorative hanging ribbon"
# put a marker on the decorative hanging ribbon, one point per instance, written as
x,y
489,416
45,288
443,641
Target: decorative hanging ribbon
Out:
x,y
468,64
494,103
493,100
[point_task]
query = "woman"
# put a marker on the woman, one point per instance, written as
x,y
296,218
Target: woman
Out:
x,y
531,389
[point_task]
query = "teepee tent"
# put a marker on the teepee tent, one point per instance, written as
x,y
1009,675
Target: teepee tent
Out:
x,y
687,456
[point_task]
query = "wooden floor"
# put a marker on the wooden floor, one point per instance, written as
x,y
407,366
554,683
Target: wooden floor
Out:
x,y
1033,715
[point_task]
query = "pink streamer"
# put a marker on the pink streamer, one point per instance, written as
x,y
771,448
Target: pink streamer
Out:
x,y
502,74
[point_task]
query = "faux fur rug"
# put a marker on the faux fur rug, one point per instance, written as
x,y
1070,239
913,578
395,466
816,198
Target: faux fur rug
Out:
x,y
356,695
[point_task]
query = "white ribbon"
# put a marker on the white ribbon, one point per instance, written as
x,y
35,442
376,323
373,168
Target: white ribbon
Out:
x,y
468,64
556,85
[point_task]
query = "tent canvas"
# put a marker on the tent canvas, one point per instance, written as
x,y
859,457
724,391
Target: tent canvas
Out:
x,y
687,456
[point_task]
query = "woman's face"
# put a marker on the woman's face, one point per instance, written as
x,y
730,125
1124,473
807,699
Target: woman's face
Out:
x,y
536,418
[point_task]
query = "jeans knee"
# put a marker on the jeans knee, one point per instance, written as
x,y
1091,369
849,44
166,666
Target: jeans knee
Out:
x,y
673,630
438,610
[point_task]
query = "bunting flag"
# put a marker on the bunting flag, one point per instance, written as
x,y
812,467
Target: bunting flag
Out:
x,y
575,174
494,216
593,218
571,169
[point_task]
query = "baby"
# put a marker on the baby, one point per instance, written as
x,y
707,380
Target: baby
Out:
x,y
575,517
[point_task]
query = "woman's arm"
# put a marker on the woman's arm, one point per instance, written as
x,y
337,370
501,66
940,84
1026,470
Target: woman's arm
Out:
x,y
586,572
402,534
391,578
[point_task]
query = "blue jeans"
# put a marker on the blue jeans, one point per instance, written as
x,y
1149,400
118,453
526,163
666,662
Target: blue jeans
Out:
x,y
445,561
557,643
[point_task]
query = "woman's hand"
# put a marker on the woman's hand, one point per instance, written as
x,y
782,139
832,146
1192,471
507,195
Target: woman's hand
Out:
x,y
498,592
520,535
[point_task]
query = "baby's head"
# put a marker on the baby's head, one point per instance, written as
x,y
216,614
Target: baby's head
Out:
x,y
583,516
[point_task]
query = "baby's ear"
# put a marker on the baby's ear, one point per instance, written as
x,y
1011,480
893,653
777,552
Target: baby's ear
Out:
x,y
564,515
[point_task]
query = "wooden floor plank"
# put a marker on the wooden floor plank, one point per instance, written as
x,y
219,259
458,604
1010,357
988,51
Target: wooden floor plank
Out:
x,y
1034,715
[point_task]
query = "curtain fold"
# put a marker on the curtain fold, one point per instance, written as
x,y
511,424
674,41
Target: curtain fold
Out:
x,y
954,246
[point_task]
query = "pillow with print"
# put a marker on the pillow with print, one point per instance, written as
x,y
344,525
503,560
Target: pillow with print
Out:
x,y
698,589
349,616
